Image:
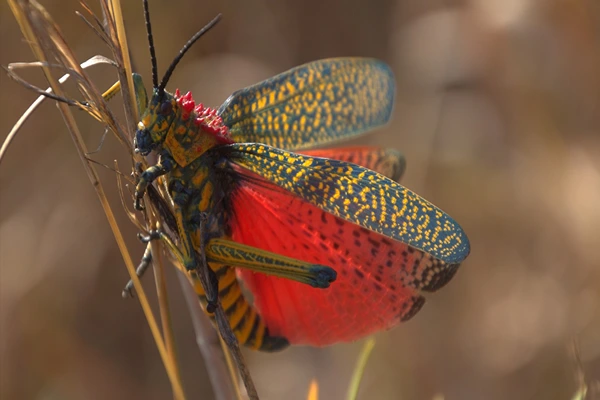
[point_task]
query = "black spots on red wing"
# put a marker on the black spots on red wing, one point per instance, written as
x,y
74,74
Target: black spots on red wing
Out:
x,y
440,276
424,272
378,282
416,305
374,272
386,242
373,242
307,233
416,262
404,306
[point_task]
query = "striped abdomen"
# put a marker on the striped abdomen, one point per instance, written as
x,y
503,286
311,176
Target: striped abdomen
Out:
x,y
245,322
207,194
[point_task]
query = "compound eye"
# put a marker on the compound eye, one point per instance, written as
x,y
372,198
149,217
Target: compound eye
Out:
x,y
166,108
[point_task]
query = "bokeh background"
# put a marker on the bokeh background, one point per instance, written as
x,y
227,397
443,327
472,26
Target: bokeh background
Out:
x,y
498,114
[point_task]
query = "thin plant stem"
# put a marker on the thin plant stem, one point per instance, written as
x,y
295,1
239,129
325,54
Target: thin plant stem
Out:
x,y
38,17
359,369
131,113
208,341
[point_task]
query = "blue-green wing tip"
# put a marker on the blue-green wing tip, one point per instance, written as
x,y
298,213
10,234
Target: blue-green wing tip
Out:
x,y
459,243
390,87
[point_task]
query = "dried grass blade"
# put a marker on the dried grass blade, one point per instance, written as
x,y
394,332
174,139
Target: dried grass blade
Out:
x,y
121,53
37,25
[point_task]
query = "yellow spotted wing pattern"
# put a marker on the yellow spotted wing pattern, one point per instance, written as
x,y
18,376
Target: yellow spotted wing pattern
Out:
x,y
313,104
387,162
360,196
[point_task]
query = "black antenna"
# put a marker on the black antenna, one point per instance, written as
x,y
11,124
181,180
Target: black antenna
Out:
x,y
183,50
151,45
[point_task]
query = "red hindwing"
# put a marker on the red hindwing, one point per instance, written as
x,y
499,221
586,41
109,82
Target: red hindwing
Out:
x,y
378,279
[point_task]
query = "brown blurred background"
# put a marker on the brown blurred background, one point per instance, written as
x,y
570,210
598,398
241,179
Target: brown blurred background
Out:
x,y
498,114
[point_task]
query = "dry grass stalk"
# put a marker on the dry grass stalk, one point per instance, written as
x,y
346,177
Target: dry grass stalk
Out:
x,y
53,52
